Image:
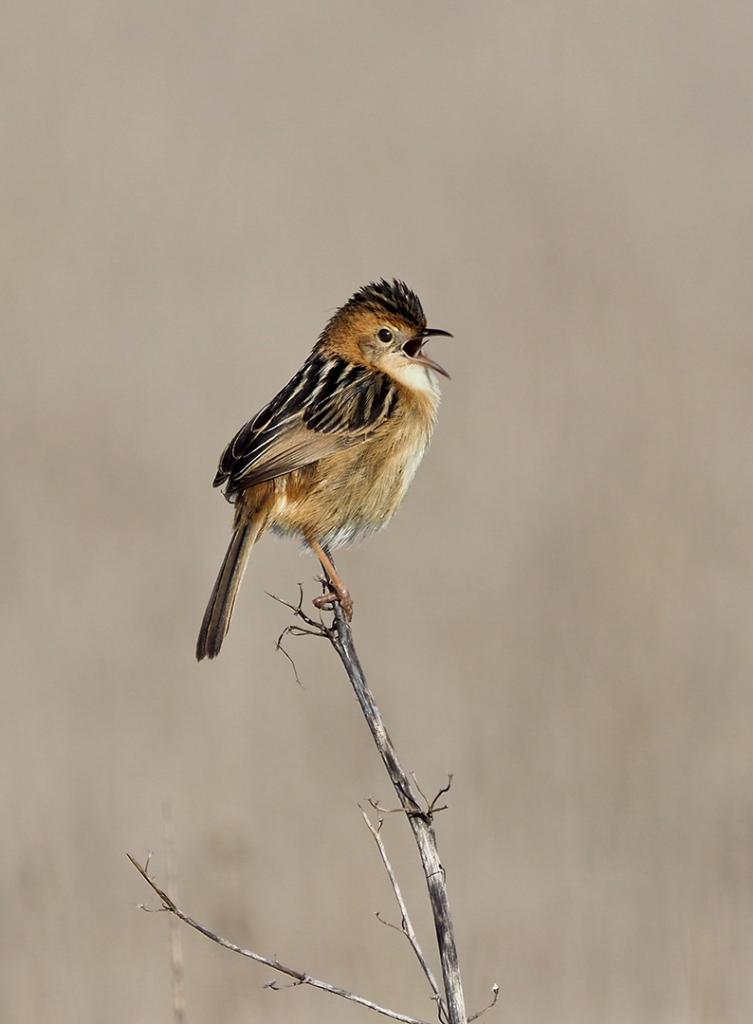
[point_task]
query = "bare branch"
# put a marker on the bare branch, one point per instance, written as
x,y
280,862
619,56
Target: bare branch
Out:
x,y
299,977
419,811
420,820
495,997
407,926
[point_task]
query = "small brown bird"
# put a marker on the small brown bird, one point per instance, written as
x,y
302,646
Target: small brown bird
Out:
x,y
330,458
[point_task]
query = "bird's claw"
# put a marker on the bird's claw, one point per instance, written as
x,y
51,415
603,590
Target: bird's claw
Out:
x,y
337,595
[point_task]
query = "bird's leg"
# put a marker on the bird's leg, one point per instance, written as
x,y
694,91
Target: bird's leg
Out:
x,y
341,592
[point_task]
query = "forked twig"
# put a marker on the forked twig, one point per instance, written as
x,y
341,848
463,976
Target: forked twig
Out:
x,y
420,820
449,999
409,793
300,977
445,789
289,631
407,926
431,805
316,628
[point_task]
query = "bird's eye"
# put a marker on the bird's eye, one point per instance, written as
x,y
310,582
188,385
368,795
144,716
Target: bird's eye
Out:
x,y
385,335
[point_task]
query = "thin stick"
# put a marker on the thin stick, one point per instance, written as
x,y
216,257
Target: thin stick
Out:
x,y
495,997
177,973
420,821
407,926
300,977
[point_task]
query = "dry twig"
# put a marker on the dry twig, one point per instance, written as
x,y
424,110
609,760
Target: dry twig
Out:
x,y
406,928
495,997
450,1002
299,977
420,819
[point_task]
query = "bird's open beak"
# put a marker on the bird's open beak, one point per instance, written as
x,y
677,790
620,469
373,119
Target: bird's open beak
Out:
x,y
413,349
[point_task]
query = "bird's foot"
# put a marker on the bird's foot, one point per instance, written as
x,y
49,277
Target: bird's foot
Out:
x,y
339,594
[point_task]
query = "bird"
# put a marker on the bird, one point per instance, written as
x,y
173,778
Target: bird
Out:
x,y
330,458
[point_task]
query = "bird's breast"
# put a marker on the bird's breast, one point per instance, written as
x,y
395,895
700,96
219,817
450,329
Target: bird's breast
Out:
x,y
358,490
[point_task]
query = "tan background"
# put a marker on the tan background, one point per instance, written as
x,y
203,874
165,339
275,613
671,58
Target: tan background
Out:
x,y
561,613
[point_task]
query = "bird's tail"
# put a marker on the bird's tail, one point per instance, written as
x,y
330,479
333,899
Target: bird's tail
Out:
x,y
222,601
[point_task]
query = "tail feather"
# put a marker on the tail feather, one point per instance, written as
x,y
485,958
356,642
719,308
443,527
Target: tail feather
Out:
x,y
216,620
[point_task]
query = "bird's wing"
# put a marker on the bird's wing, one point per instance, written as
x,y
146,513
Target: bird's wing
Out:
x,y
329,405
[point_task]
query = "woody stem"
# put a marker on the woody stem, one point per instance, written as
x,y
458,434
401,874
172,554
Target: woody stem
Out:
x,y
420,819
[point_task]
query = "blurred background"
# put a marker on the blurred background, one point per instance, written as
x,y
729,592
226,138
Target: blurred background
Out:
x,y
560,614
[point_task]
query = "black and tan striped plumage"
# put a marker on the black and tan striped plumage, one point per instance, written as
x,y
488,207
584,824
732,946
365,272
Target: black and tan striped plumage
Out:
x,y
330,458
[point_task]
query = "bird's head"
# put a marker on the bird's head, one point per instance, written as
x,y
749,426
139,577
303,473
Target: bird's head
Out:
x,y
383,325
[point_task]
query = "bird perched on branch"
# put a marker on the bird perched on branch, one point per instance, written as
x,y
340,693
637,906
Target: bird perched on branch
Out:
x,y
330,458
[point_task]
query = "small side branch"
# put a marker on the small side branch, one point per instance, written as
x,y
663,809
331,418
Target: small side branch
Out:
x,y
406,924
299,977
495,997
